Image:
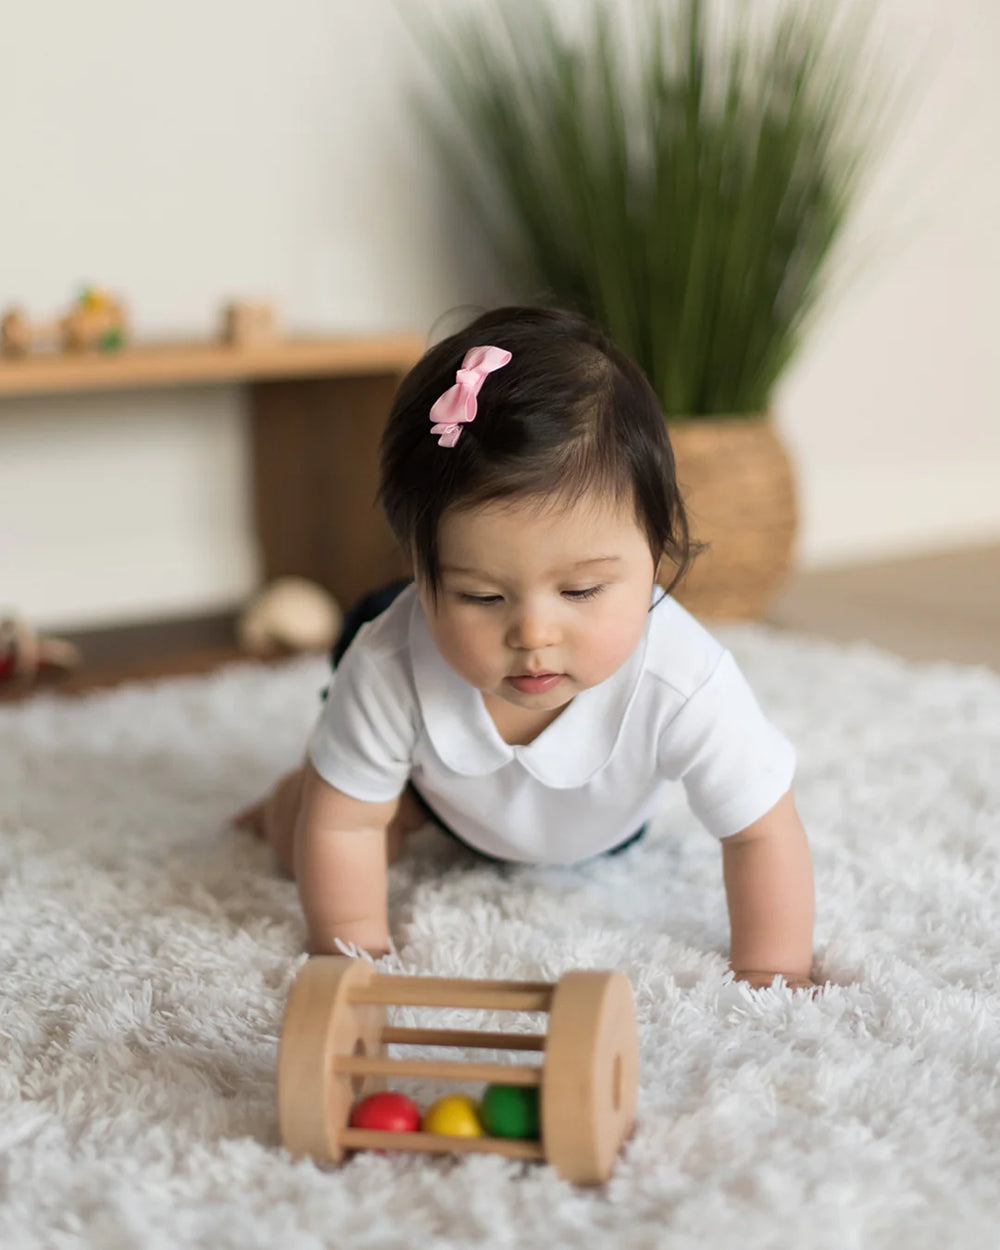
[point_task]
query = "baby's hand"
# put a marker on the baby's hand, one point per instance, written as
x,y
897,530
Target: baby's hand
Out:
x,y
760,980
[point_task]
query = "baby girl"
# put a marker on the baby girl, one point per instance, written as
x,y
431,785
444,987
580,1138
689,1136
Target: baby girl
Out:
x,y
534,690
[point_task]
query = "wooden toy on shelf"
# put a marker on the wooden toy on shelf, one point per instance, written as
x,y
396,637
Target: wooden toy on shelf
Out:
x,y
334,1042
248,325
96,322
18,336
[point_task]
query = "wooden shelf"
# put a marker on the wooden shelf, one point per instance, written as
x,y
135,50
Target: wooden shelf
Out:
x,y
186,364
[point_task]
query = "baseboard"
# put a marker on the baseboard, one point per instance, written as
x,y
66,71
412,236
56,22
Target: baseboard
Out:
x,y
861,514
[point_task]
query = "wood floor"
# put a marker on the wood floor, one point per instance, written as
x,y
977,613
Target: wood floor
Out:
x,y
943,606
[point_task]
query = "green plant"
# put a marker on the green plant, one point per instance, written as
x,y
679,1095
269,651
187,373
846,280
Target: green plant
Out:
x,y
684,190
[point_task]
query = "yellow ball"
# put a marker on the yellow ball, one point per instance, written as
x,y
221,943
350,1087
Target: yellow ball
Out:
x,y
455,1116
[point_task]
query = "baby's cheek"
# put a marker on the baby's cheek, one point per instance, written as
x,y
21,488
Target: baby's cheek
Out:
x,y
468,652
608,647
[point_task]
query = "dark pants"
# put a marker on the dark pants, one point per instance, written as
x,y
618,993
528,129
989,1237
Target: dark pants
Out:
x,y
367,609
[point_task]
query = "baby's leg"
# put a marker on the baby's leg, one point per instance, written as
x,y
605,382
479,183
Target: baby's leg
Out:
x,y
274,817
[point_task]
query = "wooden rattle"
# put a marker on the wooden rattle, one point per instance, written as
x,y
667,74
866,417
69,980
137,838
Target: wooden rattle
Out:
x,y
334,1043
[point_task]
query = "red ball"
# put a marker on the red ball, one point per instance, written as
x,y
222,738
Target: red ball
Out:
x,y
392,1113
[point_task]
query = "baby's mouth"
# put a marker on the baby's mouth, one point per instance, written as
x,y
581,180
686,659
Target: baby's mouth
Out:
x,y
535,683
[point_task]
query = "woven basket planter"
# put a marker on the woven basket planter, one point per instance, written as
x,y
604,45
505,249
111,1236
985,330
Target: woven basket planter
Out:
x,y
738,483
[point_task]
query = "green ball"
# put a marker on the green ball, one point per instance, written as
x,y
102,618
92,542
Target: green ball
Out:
x,y
510,1111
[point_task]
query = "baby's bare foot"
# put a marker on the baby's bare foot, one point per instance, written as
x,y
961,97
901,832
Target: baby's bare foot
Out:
x,y
273,817
250,818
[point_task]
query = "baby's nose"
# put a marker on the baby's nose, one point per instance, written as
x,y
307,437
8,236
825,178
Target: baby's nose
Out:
x,y
533,631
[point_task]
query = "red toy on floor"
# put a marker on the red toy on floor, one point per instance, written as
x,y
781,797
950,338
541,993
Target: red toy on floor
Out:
x,y
25,655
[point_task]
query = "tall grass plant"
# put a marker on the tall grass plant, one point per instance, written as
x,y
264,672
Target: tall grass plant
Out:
x,y
679,170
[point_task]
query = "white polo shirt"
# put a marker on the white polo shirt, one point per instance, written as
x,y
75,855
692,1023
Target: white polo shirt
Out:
x,y
678,709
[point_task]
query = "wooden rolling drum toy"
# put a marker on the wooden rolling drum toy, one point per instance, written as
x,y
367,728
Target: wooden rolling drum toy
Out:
x,y
334,1044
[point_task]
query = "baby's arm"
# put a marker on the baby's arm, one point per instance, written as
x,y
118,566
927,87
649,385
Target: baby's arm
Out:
x,y
341,867
768,874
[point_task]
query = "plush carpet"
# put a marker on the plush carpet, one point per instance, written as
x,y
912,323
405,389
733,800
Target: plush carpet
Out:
x,y
148,949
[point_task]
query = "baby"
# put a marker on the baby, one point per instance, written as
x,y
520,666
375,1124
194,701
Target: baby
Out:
x,y
534,690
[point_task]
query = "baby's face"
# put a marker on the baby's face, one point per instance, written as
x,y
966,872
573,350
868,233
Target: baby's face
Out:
x,y
528,590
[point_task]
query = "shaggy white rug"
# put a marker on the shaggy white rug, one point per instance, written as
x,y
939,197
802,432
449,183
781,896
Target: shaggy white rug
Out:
x,y
147,952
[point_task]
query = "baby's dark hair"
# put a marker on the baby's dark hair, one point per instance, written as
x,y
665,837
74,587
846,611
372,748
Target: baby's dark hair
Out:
x,y
569,414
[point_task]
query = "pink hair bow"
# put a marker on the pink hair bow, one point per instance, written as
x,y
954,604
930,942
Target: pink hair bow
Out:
x,y
457,406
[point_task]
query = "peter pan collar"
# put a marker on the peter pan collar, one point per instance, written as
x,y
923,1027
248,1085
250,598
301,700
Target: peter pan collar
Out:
x,y
566,754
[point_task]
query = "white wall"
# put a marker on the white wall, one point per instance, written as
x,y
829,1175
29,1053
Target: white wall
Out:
x,y
187,153
893,410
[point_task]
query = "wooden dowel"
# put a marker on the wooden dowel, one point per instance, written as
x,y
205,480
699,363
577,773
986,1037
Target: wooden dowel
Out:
x,y
439,1143
432,1069
464,1037
449,992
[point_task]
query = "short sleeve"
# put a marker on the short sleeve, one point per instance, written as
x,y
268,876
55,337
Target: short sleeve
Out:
x,y
363,741
734,763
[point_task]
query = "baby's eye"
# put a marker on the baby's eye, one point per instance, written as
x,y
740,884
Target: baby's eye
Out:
x,y
589,593
485,599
